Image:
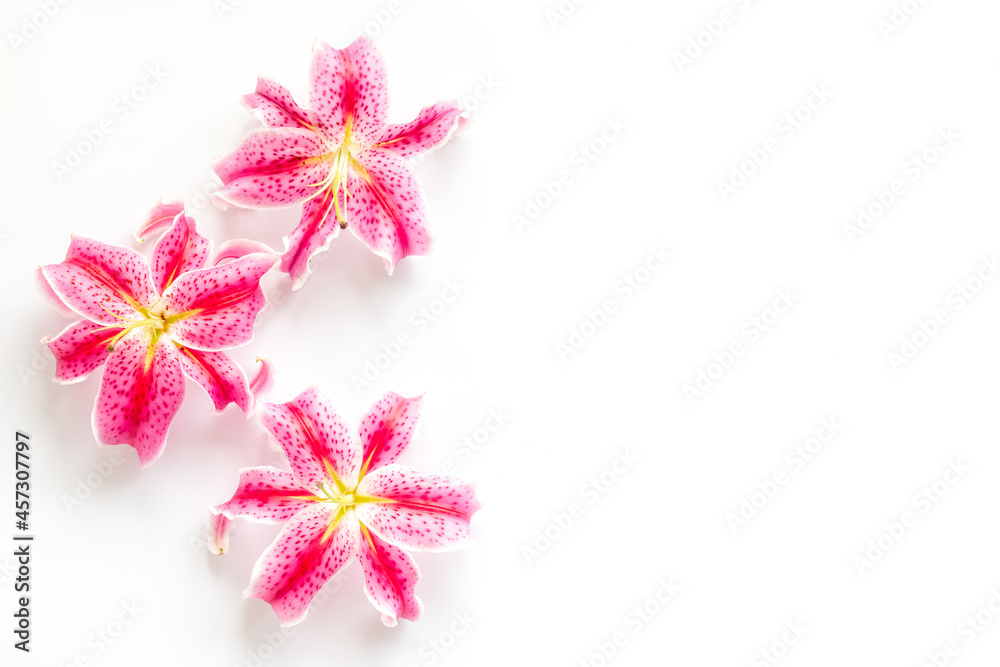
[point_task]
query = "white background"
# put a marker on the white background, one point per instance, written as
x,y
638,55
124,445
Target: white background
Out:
x,y
541,91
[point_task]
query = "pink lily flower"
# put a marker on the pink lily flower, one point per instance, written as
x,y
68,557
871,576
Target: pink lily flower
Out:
x,y
339,157
152,323
345,498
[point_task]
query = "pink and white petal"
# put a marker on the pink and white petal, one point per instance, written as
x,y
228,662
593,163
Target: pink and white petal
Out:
x,y
141,391
266,495
219,528
263,380
215,308
316,229
348,89
45,289
159,218
79,349
272,168
179,250
387,428
102,282
431,128
236,248
220,377
386,207
314,437
311,547
390,578
418,510
274,106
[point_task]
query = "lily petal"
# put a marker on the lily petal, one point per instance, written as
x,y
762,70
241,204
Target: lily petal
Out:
x,y
386,430
314,437
179,250
219,376
215,308
348,91
141,391
274,106
101,282
236,248
431,128
266,495
45,289
263,380
419,510
386,207
311,547
159,218
316,229
273,168
219,527
390,578
79,349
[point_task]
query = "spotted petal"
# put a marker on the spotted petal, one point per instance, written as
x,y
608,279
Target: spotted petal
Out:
x,y
388,428
272,168
417,510
214,308
266,495
45,289
315,438
390,578
431,128
101,282
179,250
386,207
316,229
348,91
79,349
312,547
141,391
219,376
274,106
